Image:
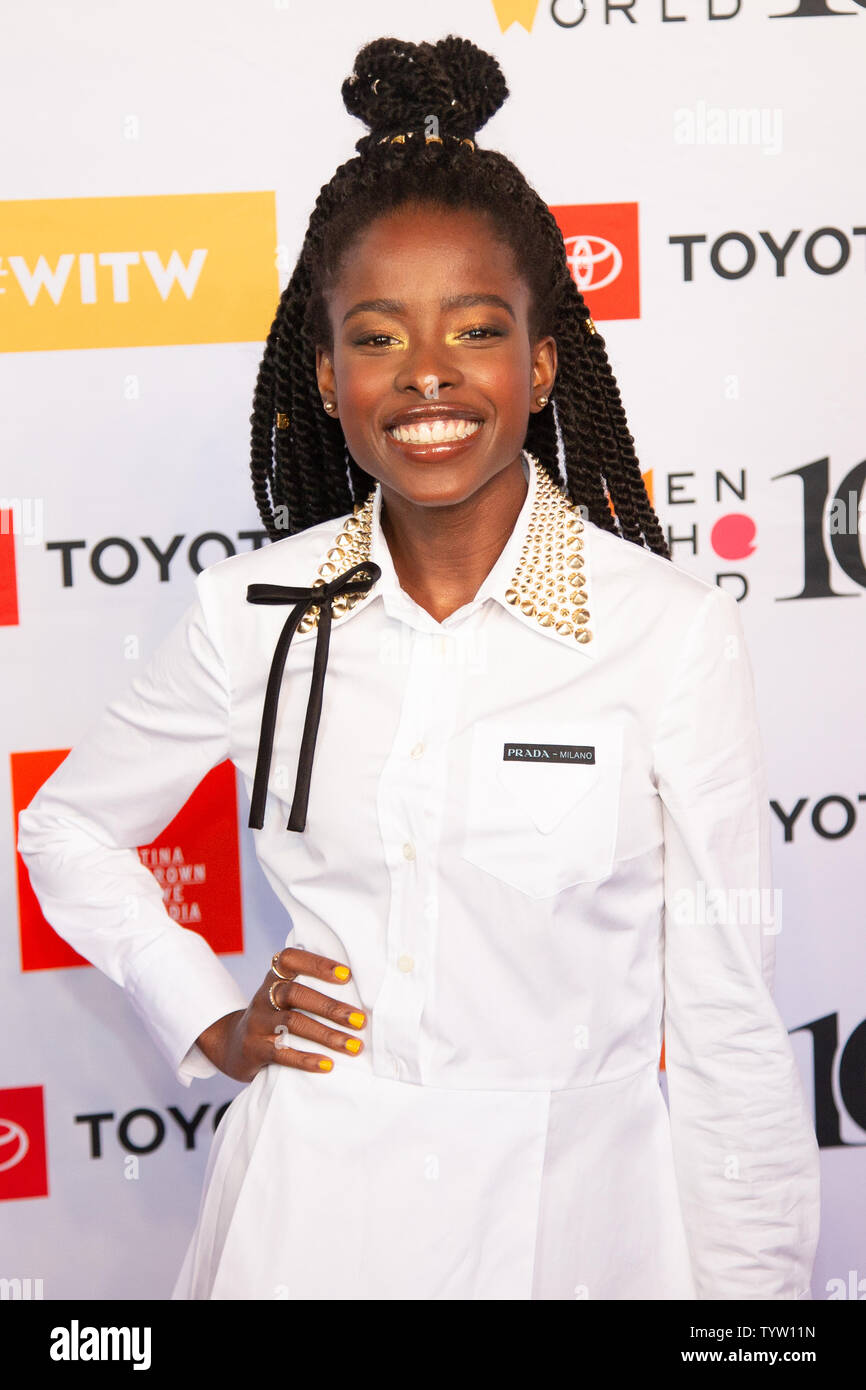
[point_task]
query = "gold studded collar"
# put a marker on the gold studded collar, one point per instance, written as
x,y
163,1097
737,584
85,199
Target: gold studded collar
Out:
x,y
542,576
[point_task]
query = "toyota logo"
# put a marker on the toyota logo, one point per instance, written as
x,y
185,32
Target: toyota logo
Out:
x,y
14,1143
588,256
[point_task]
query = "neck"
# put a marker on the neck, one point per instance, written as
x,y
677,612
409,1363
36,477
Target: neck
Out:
x,y
442,555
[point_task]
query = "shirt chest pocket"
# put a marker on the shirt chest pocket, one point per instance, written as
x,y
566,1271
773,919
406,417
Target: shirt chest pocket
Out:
x,y
543,802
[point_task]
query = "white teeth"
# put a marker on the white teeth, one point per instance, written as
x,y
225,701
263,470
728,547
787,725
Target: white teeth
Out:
x,y
434,431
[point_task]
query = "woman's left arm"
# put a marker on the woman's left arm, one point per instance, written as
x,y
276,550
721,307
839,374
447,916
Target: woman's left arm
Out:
x,y
744,1147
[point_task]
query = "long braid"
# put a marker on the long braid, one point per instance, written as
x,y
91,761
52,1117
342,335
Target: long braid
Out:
x,y
262,436
628,477
299,460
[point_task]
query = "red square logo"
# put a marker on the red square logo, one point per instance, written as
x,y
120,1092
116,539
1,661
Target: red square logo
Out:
x,y
195,861
602,244
23,1165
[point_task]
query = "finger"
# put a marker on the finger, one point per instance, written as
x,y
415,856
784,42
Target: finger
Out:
x,y
279,968
290,995
293,960
302,1026
285,1056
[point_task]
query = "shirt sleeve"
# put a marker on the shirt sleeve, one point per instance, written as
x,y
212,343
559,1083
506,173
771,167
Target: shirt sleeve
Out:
x,y
117,789
745,1152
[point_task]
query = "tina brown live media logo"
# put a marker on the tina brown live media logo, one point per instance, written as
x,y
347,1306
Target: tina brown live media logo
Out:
x,y
195,862
137,272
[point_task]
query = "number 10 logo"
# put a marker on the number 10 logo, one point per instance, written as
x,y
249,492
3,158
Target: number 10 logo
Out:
x,y
847,522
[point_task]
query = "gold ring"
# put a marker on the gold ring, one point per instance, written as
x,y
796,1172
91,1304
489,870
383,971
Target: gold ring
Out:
x,y
274,960
271,997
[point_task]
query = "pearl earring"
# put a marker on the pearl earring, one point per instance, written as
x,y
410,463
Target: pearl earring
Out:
x,y
329,406
541,400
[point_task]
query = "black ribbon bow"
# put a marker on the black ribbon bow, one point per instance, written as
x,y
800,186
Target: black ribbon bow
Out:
x,y
323,593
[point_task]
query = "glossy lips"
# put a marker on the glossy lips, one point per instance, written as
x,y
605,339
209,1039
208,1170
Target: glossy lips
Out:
x,y
433,436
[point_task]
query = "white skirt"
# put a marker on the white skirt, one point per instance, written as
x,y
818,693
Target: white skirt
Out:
x,y
353,1186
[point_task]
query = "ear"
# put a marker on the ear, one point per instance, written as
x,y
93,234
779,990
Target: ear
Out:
x,y
543,375
325,373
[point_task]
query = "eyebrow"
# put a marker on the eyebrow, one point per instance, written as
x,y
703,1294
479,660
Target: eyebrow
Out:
x,y
455,301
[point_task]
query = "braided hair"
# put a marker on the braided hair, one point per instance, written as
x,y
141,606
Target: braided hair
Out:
x,y
302,471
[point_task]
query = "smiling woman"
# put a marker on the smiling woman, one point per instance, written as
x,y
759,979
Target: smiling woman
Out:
x,y
537,744
430,248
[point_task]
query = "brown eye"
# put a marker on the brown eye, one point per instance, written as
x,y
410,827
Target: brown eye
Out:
x,y
486,330
373,339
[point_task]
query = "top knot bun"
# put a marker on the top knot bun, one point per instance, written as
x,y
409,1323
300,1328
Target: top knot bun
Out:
x,y
395,86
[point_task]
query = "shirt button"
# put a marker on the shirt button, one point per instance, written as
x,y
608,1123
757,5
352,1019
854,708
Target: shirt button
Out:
x,y
408,850
417,750
406,963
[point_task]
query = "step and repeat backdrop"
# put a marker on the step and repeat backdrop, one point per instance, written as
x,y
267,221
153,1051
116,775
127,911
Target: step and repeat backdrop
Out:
x,y
704,160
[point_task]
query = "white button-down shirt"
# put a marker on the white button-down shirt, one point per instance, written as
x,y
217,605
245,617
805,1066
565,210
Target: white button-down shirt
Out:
x,y
538,855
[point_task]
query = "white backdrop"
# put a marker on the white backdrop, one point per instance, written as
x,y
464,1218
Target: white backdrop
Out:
x,y
710,126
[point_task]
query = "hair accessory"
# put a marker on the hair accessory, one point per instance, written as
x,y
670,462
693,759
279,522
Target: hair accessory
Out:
x,y
590,326
428,139
282,421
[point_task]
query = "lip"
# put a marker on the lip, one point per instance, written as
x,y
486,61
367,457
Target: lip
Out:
x,y
438,448
432,411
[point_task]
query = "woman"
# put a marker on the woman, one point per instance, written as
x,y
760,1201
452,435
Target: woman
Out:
x,y
497,772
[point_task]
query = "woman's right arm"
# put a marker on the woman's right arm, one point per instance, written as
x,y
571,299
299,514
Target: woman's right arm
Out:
x,y
744,1146
118,788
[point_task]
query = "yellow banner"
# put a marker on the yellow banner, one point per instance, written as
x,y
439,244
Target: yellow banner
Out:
x,y
137,272
510,12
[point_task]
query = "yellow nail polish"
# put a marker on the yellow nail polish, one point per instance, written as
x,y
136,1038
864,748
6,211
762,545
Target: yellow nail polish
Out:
x,y
357,1020
342,972
325,1064
352,1044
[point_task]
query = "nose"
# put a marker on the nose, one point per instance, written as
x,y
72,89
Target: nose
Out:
x,y
427,369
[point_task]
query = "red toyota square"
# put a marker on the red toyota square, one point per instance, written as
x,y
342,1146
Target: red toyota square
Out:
x,y
602,244
23,1164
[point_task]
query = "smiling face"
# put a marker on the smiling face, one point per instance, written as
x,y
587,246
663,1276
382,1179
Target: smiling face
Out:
x,y
432,368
